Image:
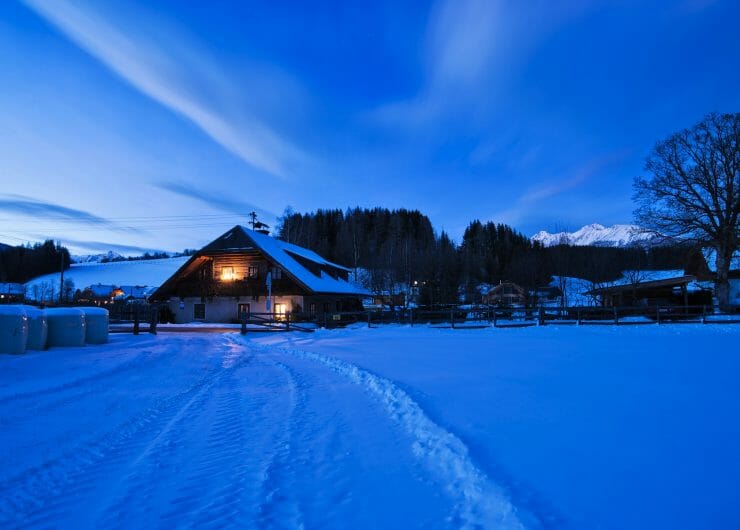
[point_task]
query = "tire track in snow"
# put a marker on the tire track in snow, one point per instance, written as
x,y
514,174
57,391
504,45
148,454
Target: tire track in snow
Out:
x,y
279,506
40,493
478,502
72,391
166,454
224,488
219,469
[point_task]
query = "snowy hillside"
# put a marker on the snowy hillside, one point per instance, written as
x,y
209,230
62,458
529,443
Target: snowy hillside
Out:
x,y
150,273
599,235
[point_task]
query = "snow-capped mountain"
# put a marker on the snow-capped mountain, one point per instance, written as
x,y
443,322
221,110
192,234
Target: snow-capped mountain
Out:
x,y
97,258
602,236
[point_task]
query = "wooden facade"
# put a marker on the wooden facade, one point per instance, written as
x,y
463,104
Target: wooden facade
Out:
x,y
506,294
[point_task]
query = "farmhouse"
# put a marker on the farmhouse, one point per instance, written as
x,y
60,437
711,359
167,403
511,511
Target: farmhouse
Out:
x,y
506,294
229,278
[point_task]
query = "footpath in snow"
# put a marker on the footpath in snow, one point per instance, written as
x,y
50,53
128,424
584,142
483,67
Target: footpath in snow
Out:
x,y
395,427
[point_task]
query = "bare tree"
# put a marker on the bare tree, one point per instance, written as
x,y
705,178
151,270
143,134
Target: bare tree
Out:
x,y
694,190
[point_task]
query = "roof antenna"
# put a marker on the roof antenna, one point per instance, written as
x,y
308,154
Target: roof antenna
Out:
x,y
258,226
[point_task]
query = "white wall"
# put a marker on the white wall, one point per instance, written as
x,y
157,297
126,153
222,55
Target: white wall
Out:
x,y
223,309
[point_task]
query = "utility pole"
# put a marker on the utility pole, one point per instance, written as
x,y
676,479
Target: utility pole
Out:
x,y
61,274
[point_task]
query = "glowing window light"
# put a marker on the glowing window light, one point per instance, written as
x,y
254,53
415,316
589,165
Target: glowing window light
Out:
x,y
227,274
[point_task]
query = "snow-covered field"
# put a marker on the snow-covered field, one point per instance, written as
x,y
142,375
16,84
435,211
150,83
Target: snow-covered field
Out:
x,y
394,427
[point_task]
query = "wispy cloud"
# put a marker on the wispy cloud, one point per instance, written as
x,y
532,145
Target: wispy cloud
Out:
x,y
22,205
29,207
215,200
473,48
173,76
100,246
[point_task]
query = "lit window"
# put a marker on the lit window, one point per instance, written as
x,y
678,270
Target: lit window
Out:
x,y
279,311
253,271
227,273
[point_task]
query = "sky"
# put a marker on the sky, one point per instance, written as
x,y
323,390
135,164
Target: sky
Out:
x,y
135,126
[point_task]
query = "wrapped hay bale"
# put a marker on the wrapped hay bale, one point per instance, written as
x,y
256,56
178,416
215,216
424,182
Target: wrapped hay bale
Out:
x,y
66,326
96,320
38,328
13,329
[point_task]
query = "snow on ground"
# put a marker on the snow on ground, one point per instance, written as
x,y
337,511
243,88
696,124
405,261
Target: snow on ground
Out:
x,y
391,427
152,273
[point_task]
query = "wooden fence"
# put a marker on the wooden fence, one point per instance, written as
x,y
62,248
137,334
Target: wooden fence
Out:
x,y
146,318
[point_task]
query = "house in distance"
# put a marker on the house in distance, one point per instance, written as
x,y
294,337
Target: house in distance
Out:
x,y
228,278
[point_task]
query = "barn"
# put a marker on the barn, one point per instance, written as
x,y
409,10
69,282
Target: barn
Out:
x,y
229,278
681,290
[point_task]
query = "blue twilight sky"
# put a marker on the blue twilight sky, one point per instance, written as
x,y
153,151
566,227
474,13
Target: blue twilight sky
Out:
x,y
159,124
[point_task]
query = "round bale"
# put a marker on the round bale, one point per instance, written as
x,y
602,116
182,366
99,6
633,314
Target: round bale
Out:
x,y
13,329
66,326
38,328
96,319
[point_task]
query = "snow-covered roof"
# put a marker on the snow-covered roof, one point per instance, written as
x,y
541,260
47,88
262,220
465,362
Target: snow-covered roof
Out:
x,y
284,254
629,276
274,247
316,274
136,291
101,290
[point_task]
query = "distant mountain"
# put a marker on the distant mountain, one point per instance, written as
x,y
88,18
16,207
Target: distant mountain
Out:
x,y
602,236
98,258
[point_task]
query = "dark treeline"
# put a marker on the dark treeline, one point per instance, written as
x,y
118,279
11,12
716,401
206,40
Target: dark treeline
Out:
x,y
20,264
399,250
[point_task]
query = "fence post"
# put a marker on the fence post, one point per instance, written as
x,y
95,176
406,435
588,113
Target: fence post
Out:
x,y
657,312
578,315
703,314
495,323
243,318
368,319
153,323
542,316
411,316
616,319
136,320
287,321
452,318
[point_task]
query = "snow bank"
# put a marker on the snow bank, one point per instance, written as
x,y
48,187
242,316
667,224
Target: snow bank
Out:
x,y
96,324
13,329
38,328
66,326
